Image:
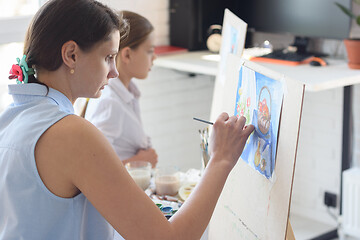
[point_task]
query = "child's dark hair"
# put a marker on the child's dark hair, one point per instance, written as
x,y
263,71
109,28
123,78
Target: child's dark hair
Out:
x,y
86,22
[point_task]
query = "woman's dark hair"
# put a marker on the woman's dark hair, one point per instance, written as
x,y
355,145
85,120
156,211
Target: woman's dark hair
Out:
x,y
140,28
86,22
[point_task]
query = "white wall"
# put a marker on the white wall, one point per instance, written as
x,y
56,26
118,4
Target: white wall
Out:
x,y
169,101
318,161
155,10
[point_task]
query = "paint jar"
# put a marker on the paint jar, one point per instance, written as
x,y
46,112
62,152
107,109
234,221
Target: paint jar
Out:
x,y
140,171
167,210
167,180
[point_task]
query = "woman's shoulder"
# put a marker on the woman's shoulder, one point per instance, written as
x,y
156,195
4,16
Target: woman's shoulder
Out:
x,y
75,127
73,133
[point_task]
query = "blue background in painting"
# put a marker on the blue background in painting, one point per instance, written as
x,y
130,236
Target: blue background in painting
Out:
x,y
276,90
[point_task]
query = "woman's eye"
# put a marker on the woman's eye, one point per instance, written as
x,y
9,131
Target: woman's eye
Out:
x,y
110,57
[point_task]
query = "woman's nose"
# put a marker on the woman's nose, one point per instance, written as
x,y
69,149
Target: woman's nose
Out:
x,y
113,73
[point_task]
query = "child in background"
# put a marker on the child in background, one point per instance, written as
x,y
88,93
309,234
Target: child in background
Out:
x,y
116,113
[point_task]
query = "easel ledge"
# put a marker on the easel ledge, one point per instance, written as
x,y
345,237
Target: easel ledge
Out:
x,y
289,232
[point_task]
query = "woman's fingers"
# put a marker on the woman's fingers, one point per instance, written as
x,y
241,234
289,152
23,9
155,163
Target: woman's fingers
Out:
x,y
241,122
232,120
223,117
248,129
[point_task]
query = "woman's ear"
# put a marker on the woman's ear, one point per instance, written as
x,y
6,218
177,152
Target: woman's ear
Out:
x,y
125,54
69,53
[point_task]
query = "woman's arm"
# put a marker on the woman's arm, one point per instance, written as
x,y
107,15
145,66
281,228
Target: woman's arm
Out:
x,y
82,160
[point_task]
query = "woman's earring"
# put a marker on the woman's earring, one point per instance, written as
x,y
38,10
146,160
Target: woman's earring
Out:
x,y
72,71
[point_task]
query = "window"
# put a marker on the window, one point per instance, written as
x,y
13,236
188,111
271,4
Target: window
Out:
x,y
14,8
15,17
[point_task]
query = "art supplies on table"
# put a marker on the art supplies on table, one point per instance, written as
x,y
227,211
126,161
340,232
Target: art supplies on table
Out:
x,y
186,190
187,181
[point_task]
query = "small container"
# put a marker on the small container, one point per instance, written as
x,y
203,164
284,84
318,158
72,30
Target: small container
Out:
x,y
167,181
140,171
167,210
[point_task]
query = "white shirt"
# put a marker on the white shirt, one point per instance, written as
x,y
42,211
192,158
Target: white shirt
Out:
x,y
117,115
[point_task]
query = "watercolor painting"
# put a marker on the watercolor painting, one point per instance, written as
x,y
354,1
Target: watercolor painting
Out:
x,y
259,98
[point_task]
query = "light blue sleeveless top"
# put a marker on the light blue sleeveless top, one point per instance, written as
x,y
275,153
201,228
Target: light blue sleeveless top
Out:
x,y
28,210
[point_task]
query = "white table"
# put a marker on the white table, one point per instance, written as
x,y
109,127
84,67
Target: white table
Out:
x,y
193,62
336,74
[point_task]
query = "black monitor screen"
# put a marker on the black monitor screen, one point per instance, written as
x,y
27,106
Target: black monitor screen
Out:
x,y
305,18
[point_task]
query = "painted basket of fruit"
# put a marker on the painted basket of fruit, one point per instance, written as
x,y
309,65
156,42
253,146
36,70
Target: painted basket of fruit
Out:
x,y
264,117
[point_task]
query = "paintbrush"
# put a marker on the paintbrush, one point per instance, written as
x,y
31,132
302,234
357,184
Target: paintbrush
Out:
x,y
204,121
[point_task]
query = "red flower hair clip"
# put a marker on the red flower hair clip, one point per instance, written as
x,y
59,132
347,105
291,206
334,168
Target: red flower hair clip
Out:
x,y
21,71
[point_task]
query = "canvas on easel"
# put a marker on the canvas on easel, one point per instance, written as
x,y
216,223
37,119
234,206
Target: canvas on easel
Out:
x,y
232,42
254,203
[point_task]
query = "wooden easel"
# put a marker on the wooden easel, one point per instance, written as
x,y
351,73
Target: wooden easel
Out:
x,y
289,232
260,194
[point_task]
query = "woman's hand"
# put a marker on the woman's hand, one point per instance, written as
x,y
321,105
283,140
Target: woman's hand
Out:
x,y
228,138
